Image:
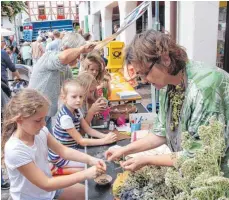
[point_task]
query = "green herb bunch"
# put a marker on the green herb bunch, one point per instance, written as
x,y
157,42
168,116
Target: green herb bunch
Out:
x,y
193,178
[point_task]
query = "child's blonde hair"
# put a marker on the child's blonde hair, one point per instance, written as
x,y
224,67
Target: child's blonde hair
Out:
x,y
67,84
23,104
86,80
96,58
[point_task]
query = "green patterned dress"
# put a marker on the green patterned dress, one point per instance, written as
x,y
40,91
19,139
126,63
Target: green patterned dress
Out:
x,y
206,95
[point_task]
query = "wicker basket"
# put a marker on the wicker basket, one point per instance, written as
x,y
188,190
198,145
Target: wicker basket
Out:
x,y
122,110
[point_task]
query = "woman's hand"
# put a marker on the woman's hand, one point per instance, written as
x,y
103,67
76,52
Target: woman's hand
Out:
x,y
136,163
88,47
114,154
110,138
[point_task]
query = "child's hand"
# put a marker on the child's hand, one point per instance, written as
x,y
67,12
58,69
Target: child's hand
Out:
x,y
98,162
105,84
98,106
110,138
93,172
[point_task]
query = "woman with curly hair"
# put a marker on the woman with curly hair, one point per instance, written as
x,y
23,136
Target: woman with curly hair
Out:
x,y
190,93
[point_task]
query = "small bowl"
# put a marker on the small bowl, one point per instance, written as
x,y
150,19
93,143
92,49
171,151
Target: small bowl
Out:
x,y
103,179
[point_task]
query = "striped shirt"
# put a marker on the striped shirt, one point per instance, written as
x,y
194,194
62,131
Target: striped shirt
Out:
x,y
65,120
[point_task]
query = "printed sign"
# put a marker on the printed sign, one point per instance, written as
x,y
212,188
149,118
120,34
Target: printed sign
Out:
x,y
28,32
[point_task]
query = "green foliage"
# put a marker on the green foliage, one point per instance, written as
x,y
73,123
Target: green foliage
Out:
x,y
12,8
195,178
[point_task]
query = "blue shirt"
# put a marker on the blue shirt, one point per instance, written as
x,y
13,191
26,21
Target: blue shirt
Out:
x,y
6,63
54,45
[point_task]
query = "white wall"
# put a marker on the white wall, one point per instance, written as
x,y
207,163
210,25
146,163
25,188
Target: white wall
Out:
x,y
198,28
167,16
125,7
96,6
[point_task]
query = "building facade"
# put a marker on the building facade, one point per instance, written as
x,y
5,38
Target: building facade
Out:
x,y
196,23
53,10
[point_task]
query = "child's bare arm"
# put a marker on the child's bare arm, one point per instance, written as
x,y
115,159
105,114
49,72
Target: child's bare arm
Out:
x,y
92,132
38,178
72,154
85,141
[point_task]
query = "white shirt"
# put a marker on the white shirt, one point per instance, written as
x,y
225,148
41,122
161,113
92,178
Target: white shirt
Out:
x,y
18,154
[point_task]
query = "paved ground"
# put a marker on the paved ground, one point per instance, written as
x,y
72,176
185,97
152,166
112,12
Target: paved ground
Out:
x,y
144,91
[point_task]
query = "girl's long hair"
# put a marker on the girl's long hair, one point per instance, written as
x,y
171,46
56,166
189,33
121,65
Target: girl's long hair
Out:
x,y
96,58
86,81
23,104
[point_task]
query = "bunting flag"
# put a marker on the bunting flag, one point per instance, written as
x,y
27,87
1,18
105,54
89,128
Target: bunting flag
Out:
x,y
129,19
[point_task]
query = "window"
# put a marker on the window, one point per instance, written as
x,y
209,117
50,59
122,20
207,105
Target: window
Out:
x,y
60,10
41,10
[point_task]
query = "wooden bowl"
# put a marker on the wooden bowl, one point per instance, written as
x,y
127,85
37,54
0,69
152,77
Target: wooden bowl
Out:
x,y
124,110
103,179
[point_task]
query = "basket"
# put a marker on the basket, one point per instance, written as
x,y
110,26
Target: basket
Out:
x,y
122,110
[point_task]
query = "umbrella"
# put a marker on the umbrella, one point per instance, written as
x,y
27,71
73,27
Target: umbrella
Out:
x,y
5,32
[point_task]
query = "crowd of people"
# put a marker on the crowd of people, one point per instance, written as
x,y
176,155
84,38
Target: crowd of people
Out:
x,y
34,147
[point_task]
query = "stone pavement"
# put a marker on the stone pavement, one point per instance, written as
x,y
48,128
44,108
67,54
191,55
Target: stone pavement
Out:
x,y
144,91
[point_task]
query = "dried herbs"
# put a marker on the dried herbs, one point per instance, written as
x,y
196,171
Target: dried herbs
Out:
x,y
193,178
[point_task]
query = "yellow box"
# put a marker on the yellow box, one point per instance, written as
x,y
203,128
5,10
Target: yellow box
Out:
x,y
115,55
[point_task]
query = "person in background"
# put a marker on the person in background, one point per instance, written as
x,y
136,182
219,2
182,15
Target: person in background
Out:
x,y
55,44
15,49
94,64
116,27
26,53
6,63
53,69
9,51
62,34
37,50
101,52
